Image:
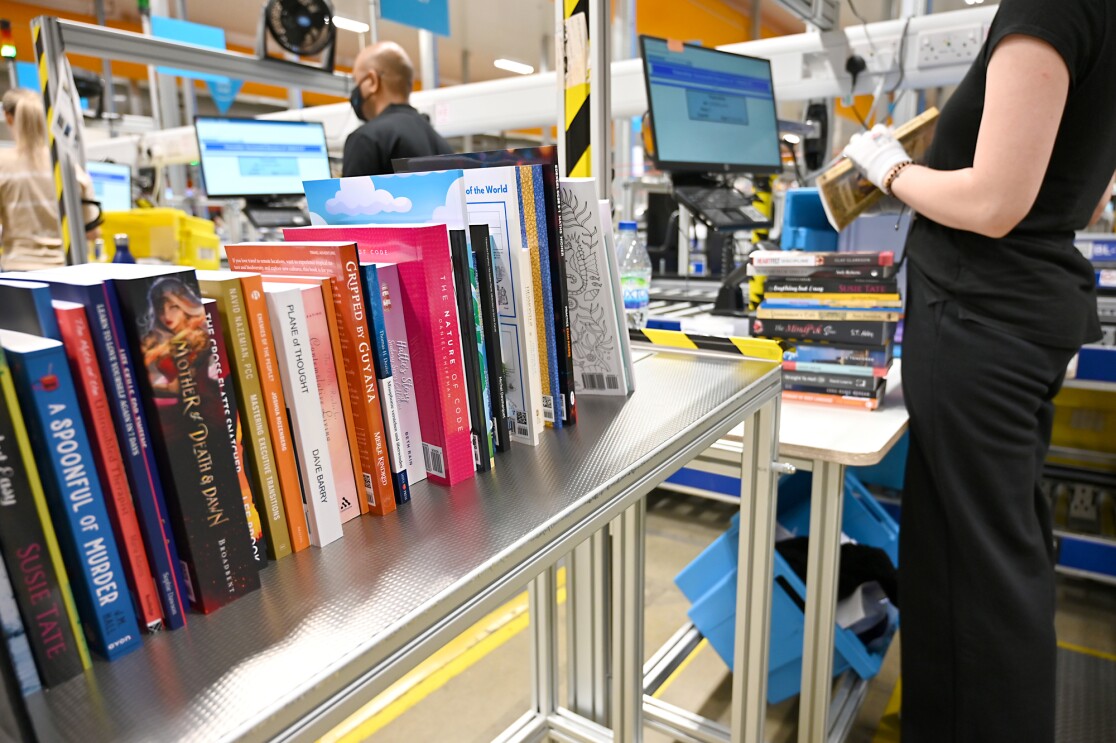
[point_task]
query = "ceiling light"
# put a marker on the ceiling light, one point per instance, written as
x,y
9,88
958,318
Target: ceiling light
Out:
x,y
348,24
512,66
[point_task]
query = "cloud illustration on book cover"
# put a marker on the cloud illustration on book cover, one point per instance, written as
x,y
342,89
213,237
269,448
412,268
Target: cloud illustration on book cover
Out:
x,y
418,198
360,196
594,343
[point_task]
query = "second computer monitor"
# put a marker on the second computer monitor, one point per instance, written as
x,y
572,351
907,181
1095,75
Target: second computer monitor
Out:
x,y
112,185
711,111
260,158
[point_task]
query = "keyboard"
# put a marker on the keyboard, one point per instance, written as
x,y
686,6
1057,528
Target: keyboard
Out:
x,y
276,217
722,208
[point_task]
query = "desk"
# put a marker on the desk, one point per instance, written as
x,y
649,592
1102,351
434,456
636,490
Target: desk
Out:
x,y
825,441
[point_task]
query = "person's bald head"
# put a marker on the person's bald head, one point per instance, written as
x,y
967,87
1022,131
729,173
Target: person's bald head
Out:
x,y
384,74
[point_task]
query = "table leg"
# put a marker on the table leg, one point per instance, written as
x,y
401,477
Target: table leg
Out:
x,y
822,565
758,484
587,611
543,612
628,539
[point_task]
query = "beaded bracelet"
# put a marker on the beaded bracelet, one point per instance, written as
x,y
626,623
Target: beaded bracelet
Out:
x,y
890,179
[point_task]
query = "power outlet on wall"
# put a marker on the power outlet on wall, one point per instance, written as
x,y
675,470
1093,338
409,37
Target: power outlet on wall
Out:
x,y
946,48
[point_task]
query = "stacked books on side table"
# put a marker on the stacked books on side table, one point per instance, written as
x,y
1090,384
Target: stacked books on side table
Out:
x,y
1097,361
838,313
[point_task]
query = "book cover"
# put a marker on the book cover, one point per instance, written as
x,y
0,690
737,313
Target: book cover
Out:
x,y
426,276
275,407
823,368
617,292
848,332
812,285
385,382
546,156
304,410
319,307
838,354
14,636
27,308
226,289
471,354
484,247
544,300
221,371
95,407
402,371
165,327
845,194
30,549
867,314
798,378
764,258
841,401
340,263
75,284
73,492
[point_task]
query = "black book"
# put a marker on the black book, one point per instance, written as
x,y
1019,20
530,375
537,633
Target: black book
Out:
x,y
815,285
483,248
831,381
849,332
468,315
875,394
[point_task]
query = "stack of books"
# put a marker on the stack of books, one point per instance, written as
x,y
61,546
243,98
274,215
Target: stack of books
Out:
x,y
166,434
837,314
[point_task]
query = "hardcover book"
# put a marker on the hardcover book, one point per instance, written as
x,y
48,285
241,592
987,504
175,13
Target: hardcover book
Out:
x,y
76,284
848,332
868,314
221,371
823,368
866,356
810,285
824,272
340,263
96,409
402,371
831,381
837,398
30,549
304,410
27,308
472,351
236,326
165,327
74,495
761,259
484,247
834,302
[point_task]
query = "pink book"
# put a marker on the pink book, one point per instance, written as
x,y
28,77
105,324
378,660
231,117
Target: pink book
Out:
x,y
426,274
329,391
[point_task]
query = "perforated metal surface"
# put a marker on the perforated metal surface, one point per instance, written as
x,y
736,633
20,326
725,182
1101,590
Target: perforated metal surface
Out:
x,y
1086,698
324,617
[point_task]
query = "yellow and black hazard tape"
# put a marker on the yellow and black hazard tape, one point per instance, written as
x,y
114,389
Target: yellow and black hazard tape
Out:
x,y
753,348
578,162
48,100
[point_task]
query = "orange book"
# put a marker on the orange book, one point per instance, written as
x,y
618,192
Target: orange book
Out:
x,y
338,261
838,400
276,405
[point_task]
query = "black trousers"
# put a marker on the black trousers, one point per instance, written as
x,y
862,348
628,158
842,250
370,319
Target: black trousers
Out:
x,y
976,549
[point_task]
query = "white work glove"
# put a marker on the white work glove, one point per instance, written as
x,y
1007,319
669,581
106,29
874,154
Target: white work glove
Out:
x,y
875,153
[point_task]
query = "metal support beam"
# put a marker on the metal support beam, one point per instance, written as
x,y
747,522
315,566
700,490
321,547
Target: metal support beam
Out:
x,y
106,71
428,59
600,98
543,612
628,534
587,607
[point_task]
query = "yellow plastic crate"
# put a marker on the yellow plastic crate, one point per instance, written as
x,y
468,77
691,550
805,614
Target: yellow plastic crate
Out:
x,y
1086,420
164,234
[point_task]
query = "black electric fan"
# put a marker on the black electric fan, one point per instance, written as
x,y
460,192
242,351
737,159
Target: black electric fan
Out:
x,y
302,27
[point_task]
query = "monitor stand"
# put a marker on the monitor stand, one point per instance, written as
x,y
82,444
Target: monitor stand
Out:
x,y
719,206
268,214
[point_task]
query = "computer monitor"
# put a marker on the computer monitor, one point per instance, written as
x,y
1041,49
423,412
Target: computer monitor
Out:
x,y
260,159
711,111
112,185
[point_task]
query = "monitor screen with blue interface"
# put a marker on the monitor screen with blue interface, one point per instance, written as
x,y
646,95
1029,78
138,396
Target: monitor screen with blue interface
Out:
x,y
112,185
259,158
711,111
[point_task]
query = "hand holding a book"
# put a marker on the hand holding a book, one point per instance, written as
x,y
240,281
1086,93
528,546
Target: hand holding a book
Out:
x,y
878,155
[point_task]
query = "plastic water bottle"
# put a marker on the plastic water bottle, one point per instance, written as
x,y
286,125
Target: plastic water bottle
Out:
x,y
123,252
635,274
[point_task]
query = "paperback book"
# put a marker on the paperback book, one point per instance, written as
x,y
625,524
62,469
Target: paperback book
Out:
x,y
27,308
762,259
402,372
472,351
847,332
484,248
865,356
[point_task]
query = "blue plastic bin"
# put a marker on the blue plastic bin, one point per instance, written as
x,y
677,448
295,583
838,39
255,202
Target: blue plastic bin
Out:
x,y
709,582
805,226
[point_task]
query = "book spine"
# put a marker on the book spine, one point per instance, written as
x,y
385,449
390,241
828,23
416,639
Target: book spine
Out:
x,y
134,434
844,260
886,258
402,374
76,338
833,302
864,315
389,406
259,455
470,355
852,300
482,352
228,392
846,355
30,549
832,381
816,368
184,404
559,287
830,286
840,391
77,503
544,300
275,410
878,273
288,318
851,333
13,634
842,401
484,247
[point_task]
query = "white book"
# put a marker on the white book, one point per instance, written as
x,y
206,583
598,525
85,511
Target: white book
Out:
x,y
593,282
304,408
618,291
402,374
491,197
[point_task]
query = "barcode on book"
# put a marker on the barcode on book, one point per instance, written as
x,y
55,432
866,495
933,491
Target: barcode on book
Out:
x,y
368,492
548,408
600,382
432,458
186,578
520,425
476,450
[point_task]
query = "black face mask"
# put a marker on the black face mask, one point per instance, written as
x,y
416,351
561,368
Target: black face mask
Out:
x,y
357,102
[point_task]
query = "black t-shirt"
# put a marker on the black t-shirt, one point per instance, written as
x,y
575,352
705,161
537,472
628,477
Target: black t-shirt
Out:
x,y
399,131
1032,283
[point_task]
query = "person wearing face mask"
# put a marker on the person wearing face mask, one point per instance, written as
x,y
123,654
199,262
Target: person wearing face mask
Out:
x,y
383,77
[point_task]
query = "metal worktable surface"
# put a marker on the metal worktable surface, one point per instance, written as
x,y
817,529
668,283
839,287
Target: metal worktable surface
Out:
x,y
332,627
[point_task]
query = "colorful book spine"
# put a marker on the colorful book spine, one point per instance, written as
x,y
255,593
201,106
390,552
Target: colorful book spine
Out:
x,y
837,354
821,286
30,549
544,299
275,410
77,503
402,373
236,326
483,456
560,289
95,407
304,409
832,302
339,262
832,381
762,258
133,432
385,382
13,634
851,300
166,327
842,331
824,272
840,401
222,371
765,312
821,368
484,246
27,308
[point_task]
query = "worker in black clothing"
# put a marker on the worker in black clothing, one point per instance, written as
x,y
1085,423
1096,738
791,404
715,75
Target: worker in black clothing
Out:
x,y
998,302
383,77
